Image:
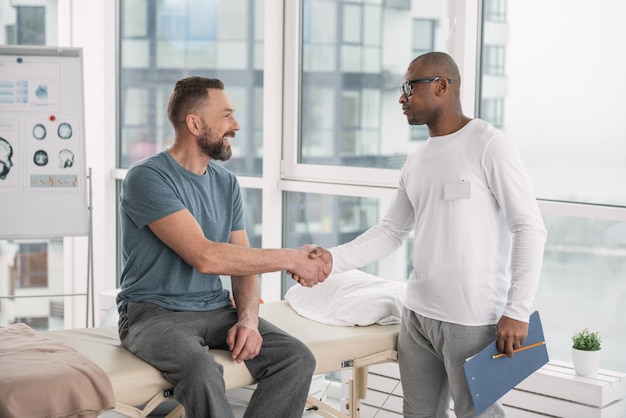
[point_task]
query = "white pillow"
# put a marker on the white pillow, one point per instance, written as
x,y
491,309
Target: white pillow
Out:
x,y
350,298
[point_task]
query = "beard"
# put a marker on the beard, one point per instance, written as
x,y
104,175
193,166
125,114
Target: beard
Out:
x,y
219,149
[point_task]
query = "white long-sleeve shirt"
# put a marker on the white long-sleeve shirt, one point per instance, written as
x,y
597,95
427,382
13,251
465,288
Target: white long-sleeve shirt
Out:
x,y
478,233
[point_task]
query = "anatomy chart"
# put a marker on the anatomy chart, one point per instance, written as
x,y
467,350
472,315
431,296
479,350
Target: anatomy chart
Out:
x,y
42,149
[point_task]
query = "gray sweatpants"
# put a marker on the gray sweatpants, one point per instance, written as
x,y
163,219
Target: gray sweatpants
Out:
x,y
177,344
431,355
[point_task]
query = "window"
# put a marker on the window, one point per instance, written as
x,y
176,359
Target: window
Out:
x,y
492,111
350,118
347,114
328,220
30,266
495,10
582,285
342,70
573,149
26,25
423,36
573,152
33,288
31,25
162,42
342,65
494,60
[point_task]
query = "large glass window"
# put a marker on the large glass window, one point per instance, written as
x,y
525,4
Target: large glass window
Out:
x,y
568,127
495,10
328,220
164,41
570,135
32,288
582,285
494,60
341,110
353,58
492,110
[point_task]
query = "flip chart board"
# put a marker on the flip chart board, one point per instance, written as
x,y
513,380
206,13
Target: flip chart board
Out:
x,y
43,190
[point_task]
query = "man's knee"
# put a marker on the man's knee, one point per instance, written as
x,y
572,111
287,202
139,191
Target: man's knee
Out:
x,y
308,359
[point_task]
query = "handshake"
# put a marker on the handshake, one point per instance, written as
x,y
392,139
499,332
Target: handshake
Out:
x,y
314,267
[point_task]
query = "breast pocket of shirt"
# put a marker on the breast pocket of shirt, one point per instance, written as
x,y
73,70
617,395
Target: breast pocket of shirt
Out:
x,y
457,190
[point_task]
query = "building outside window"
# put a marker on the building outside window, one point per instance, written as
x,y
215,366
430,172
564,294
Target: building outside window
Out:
x,y
162,42
351,77
30,266
494,60
492,110
494,10
30,27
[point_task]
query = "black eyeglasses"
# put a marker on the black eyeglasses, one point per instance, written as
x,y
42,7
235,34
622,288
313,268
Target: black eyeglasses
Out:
x,y
407,86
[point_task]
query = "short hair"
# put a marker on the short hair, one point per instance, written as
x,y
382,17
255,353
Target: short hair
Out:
x,y
189,94
440,64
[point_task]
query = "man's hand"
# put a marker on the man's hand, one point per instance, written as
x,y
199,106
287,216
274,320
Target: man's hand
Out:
x,y
244,341
317,255
311,270
324,254
511,335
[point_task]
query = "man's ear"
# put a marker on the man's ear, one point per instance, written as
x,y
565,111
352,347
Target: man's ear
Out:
x,y
193,124
442,86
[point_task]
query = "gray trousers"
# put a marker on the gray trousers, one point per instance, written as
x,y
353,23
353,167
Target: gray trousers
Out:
x,y
177,344
431,355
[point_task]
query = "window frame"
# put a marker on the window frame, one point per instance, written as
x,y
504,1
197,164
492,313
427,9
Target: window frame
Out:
x,y
465,14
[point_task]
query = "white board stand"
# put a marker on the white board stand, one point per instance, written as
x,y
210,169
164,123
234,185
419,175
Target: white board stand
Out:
x,y
43,186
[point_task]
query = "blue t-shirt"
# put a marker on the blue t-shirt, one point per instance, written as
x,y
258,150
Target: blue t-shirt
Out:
x,y
154,188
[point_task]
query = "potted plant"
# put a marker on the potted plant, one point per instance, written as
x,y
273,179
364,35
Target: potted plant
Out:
x,y
586,349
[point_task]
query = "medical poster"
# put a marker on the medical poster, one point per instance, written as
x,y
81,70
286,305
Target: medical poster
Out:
x,y
42,150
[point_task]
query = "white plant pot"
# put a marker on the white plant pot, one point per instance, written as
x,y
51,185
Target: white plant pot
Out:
x,y
586,363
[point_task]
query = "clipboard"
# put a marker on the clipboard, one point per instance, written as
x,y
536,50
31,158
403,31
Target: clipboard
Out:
x,y
491,378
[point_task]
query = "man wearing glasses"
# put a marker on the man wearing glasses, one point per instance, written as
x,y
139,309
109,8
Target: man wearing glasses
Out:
x,y
465,197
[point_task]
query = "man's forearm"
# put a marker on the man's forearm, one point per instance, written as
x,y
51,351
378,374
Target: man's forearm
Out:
x,y
246,297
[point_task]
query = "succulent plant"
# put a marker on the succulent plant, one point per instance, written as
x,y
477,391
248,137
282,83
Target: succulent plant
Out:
x,y
586,340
